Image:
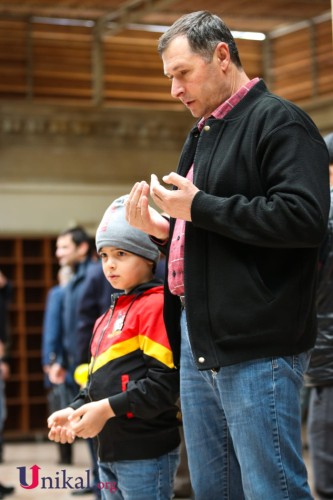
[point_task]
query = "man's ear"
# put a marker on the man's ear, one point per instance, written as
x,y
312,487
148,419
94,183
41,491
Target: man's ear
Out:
x,y
223,54
83,248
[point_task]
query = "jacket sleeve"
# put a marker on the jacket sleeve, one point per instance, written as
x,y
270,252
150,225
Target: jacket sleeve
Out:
x,y
325,272
158,391
52,326
80,399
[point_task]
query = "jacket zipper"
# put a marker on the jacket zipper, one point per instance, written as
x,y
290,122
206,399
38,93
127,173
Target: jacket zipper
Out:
x,y
114,298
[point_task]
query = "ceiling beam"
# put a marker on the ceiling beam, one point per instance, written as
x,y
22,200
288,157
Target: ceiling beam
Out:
x,y
131,12
332,17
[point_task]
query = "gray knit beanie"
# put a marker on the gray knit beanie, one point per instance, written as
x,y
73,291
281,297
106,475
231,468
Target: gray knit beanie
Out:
x,y
115,231
329,143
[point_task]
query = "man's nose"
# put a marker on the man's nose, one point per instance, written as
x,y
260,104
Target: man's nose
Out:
x,y
176,89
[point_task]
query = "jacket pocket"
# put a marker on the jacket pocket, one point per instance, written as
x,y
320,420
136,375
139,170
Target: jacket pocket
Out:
x,y
261,287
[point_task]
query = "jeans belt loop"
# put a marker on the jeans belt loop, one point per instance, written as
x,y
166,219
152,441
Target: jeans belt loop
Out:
x,y
182,300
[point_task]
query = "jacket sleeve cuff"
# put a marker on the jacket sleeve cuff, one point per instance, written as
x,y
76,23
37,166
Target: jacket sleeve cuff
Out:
x,y
76,404
79,400
119,404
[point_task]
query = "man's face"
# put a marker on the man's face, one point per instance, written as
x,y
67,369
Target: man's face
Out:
x,y
67,253
200,85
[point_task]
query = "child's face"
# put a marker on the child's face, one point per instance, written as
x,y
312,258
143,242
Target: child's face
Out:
x,y
125,270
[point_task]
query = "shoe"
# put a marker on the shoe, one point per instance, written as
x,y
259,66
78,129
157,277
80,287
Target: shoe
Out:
x,y
83,491
65,454
65,462
6,490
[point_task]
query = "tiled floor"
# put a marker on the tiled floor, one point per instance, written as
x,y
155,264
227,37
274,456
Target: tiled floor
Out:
x,y
45,455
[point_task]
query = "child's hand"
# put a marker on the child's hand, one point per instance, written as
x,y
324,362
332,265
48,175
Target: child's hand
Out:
x,y
60,427
88,420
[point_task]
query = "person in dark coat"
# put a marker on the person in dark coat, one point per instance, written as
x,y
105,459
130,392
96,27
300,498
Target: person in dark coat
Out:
x,y
5,297
52,346
95,300
73,248
319,376
248,211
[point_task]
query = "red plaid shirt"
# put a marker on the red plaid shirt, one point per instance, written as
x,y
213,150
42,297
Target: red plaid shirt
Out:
x,y
176,257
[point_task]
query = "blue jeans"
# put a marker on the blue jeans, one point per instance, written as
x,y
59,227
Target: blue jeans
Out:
x,y
320,436
242,428
150,479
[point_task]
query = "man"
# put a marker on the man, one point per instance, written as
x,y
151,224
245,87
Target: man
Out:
x,y
319,376
52,347
247,216
5,296
73,248
6,290
95,300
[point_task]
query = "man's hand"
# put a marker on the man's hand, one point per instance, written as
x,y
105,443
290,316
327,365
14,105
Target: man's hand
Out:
x,y
88,420
57,374
176,203
140,215
5,370
3,280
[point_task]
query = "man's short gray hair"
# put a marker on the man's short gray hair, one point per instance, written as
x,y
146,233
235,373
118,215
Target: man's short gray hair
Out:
x,y
203,31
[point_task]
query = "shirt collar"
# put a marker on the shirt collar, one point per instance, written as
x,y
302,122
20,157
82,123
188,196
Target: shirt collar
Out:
x,y
223,109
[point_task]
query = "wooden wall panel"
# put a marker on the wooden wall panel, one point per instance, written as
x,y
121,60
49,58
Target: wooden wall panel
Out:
x,y
61,61
57,63
324,58
133,69
251,54
54,63
13,59
302,63
291,70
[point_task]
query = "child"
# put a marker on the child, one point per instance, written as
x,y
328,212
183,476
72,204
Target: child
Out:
x,y
133,384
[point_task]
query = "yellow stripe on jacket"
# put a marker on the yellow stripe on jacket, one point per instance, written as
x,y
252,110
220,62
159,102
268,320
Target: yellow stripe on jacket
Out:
x,y
145,344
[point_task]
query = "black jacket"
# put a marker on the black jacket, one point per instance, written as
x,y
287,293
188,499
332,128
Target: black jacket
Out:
x,y
320,371
257,222
132,365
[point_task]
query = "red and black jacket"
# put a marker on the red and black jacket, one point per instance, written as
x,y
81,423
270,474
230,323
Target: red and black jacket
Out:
x,y
132,365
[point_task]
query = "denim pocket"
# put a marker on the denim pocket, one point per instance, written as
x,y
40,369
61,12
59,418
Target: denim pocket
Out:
x,y
297,362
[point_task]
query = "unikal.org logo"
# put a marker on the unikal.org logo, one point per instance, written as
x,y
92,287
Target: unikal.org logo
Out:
x,y
60,480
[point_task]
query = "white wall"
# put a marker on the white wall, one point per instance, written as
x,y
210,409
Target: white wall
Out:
x,y
37,209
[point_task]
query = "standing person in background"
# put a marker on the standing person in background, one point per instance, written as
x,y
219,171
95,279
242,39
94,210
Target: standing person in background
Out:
x,y
52,347
94,301
5,297
73,248
248,212
319,376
